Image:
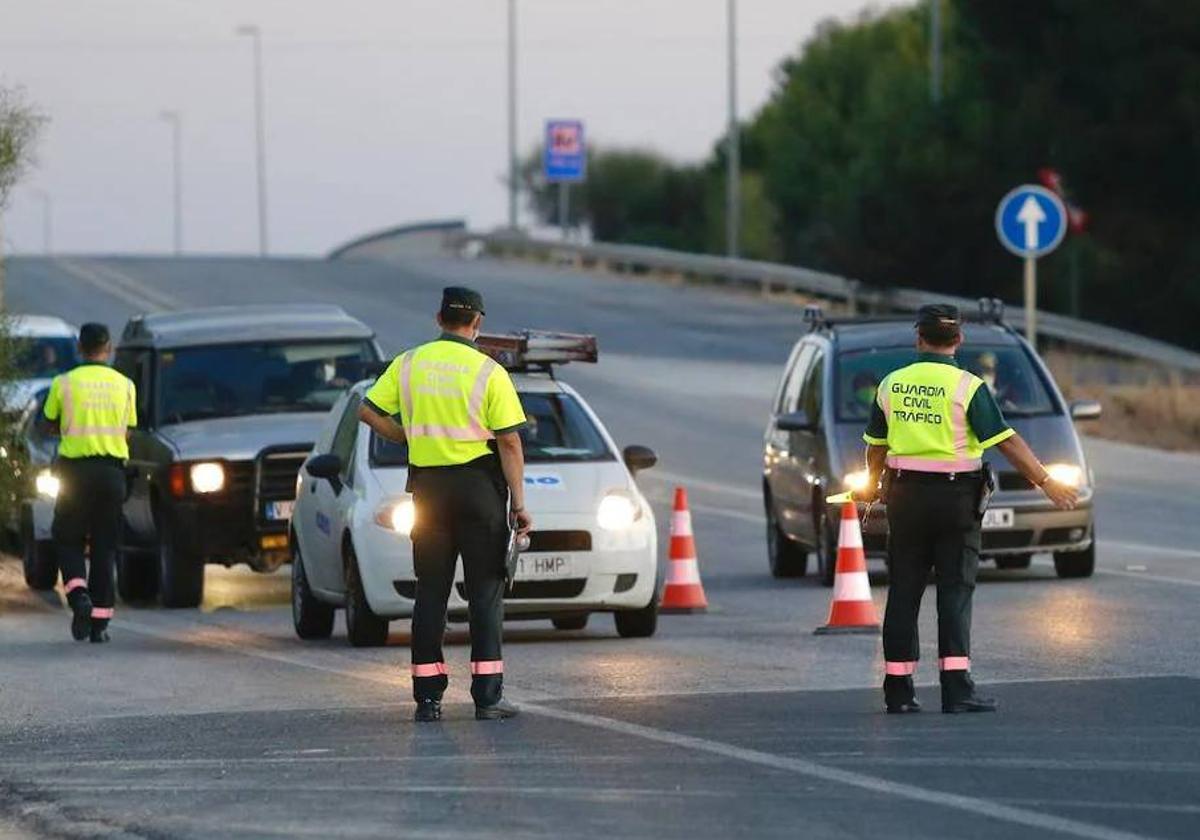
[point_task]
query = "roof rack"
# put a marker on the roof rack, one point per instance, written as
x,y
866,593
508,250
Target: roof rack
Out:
x,y
538,350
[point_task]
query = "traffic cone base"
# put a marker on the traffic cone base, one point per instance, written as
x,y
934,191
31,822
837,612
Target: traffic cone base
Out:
x,y
684,593
851,610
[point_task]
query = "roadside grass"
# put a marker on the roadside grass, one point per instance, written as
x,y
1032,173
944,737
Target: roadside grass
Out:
x,y
1142,404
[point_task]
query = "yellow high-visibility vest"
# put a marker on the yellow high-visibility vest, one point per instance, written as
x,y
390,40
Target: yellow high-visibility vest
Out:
x,y
451,398
95,407
926,409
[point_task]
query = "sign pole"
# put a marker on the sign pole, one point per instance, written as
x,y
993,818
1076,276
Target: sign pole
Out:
x,y
1031,301
564,207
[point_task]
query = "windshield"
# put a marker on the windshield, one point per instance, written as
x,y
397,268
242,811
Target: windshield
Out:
x,y
235,379
1006,370
557,430
42,358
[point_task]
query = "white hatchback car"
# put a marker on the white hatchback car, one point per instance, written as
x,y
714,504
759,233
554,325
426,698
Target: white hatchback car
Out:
x,y
594,547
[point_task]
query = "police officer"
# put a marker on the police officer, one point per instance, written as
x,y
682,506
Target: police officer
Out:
x,y
94,406
461,416
929,427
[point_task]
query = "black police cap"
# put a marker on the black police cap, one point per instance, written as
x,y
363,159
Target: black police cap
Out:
x,y
942,315
460,298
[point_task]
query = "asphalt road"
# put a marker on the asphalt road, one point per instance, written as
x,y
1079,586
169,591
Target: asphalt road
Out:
x,y
219,722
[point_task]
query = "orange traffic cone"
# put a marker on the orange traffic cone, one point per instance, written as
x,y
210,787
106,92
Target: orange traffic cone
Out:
x,y
852,610
683,593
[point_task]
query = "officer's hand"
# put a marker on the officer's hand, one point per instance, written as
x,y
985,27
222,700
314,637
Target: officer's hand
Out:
x,y
1064,496
522,521
866,494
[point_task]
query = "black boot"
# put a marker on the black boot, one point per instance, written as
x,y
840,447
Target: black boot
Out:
x,y
500,710
428,711
958,694
899,695
81,614
99,631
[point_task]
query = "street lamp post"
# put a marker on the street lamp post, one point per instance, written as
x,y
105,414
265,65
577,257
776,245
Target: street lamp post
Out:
x,y
255,35
512,114
732,150
173,120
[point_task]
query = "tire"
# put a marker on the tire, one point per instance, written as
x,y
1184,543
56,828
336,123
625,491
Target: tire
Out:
x,y
1076,564
786,558
39,560
1017,561
639,624
137,576
311,618
826,548
570,622
180,570
363,627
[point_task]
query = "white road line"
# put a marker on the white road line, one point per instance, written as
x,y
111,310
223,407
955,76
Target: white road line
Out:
x,y
1152,549
561,792
103,284
162,299
802,767
1144,577
686,481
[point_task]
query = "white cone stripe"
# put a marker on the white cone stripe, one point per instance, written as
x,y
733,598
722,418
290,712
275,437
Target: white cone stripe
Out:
x,y
684,571
681,524
852,586
850,536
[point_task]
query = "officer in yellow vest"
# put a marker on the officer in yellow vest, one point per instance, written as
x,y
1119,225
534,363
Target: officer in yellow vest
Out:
x,y
94,407
461,416
929,427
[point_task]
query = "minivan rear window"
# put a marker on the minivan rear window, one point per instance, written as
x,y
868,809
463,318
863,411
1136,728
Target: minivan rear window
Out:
x,y
1018,388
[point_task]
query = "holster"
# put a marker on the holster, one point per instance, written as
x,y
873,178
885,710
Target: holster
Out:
x,y
987,487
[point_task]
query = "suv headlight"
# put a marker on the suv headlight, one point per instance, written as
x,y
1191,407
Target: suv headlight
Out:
x,y
856,480
618,511
1068,474
207,477
47,484
397,516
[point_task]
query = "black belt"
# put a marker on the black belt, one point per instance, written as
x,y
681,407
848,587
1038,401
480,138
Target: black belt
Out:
x,y
110,460
919,477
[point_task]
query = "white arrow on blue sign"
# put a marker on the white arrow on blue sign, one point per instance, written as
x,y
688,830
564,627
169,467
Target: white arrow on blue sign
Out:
x,y
1031,221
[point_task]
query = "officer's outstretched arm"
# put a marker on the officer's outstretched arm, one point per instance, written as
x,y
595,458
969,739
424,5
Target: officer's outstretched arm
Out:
x,y
1018,453
384,426
876,460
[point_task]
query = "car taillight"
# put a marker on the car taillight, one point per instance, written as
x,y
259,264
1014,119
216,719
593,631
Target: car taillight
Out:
x,y
177,481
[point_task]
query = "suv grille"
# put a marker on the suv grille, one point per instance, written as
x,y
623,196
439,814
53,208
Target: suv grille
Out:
x,y
239,478
276,472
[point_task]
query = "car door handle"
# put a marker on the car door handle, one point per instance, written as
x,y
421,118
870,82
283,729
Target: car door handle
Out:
x,y
312,487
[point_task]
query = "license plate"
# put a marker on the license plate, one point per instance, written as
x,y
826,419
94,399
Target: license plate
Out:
x,y
279,510
995,518
544,567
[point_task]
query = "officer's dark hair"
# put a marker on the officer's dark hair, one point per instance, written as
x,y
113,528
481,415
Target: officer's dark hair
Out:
x,y
456,316
92,338
939,334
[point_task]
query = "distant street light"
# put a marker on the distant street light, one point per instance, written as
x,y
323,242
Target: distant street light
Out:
x,y
512,115
732,142
172,119
47,219
255,35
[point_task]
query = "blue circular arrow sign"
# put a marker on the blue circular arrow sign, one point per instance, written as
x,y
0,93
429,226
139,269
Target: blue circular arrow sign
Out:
x,y
1031,221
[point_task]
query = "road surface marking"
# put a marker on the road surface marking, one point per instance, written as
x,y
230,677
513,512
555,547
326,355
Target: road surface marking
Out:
x,y
120,285
711,486
1145,577
138,287
1153,549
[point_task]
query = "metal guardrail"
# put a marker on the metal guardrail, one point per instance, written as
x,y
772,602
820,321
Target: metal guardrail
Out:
x,y
770,278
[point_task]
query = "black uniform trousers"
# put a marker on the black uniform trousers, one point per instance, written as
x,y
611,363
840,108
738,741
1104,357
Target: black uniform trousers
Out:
x,y
89,506
933,522
461,511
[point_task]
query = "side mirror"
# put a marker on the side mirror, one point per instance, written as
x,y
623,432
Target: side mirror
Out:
x,y
638,458
328,467
796,421
1085,410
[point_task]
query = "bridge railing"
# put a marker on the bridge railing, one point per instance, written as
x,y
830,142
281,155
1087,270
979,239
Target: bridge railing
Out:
x,y
774,278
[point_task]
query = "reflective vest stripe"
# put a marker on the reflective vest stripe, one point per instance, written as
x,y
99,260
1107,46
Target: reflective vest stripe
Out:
x,y
903,462
958,415
452,432
67,417
478,391
406,386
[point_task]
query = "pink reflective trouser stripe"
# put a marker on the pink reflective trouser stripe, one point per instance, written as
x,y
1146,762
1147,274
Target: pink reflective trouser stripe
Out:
x,y
934,465
494,666
102,612
958,415
429,669
900,669
75,583
955,663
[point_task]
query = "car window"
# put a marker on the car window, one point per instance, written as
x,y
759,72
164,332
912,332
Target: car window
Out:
x,y
557,429
1007,371
789,395
812,394
261,378
43,357
387,453
346,435
138,366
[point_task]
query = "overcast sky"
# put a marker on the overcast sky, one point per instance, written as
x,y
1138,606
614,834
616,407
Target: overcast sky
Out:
x,y
378,112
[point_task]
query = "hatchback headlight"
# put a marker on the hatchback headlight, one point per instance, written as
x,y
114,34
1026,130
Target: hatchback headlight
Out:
x,y
47,484
1068,474
617,511
856,480
397,516
207,477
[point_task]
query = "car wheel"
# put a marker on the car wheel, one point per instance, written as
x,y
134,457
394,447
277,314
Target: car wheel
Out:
x,y
1076,564
363,627
640,624
826,548
570,622
180,570
39,560
1014,561
311,618
787,558
137,576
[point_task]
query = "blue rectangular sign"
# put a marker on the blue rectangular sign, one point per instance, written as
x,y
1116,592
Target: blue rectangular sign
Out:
x,y
565,156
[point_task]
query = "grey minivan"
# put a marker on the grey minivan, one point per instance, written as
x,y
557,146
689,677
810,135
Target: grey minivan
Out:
x,y
813,445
